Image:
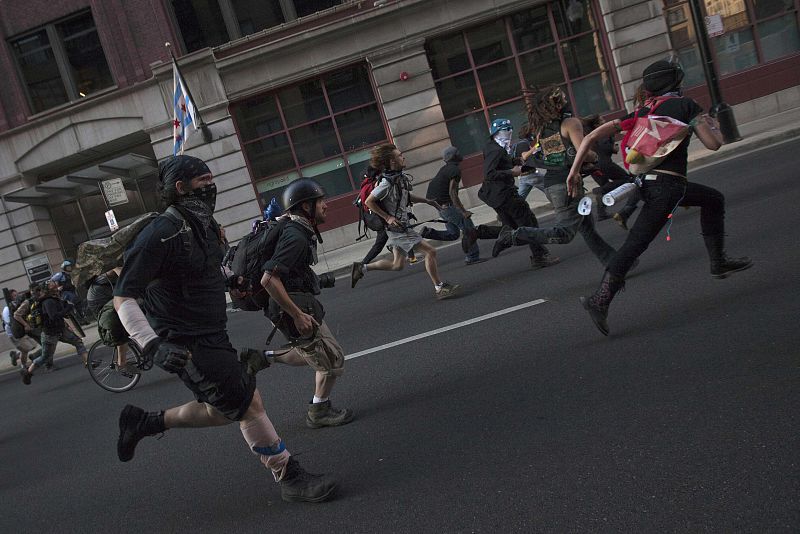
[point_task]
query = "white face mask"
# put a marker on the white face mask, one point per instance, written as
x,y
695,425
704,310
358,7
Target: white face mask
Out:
x,y
504,135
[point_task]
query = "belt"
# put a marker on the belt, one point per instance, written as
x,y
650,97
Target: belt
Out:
x,y
658,175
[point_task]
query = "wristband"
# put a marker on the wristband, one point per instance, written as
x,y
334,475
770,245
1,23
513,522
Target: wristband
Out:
x,y
135,323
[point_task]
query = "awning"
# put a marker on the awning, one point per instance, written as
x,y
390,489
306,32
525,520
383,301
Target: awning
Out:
x,y
129,167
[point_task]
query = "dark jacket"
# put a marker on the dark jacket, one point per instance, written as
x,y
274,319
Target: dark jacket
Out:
x,y
498,182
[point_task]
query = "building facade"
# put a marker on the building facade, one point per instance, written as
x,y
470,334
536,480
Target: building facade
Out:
x,y
292,88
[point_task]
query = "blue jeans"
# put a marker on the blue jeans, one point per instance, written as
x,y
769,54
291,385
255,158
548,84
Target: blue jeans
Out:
x,y
455,223
50,341
527,182
568,223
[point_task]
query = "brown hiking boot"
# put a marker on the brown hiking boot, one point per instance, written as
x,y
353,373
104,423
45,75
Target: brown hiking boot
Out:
x,y
324,414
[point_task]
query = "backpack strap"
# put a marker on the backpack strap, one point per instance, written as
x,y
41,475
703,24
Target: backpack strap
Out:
x,y
185,233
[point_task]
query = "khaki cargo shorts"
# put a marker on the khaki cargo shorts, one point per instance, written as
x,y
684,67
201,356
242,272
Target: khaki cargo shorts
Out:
x,y
321,352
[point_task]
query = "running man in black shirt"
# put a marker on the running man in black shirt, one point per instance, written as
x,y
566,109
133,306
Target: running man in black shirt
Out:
x,y
175,266
443,189
663,189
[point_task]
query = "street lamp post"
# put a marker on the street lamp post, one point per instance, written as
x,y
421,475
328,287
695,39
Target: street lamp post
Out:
x,y
723,112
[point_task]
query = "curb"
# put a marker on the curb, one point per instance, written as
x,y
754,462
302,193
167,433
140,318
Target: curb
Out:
x,y
752,143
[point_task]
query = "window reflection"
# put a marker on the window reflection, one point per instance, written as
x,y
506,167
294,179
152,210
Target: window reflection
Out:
x,y
331,121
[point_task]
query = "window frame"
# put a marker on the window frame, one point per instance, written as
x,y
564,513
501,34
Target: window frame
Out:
x,y
557,42
287,130
230,21
61,59
752,25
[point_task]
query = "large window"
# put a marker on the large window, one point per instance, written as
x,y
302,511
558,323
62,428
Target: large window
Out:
x,y
205,23
321,128
754,32
480,72
61,62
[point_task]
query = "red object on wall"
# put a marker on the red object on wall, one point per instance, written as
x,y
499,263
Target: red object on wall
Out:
x,y
404,76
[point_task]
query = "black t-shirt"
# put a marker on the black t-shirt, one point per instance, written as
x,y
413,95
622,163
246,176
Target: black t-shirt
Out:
x,y
439,188
53,312
292,260
183,291
683,109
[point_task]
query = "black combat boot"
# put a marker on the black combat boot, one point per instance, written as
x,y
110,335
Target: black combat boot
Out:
x,y
135,424
597,304
298,485
721,265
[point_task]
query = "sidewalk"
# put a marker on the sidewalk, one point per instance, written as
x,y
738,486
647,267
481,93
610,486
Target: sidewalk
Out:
x,y
755,134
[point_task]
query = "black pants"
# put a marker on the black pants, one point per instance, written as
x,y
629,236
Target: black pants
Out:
x,y
661,197
377,246
516,212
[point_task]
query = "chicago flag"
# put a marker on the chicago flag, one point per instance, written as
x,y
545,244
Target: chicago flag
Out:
x,y
184,112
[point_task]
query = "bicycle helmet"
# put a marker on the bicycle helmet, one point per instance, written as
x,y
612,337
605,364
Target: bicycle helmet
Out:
x,y
65,264
301,190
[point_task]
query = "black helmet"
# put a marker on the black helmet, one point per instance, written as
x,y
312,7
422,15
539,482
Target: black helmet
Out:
x,y
662,77
300,191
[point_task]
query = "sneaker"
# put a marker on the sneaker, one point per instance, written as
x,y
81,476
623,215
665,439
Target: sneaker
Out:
x,y
540,262
622,221
298,485
469,238
135,424
503,241
14,355
356,274
324,414
447,290
476,260
26,377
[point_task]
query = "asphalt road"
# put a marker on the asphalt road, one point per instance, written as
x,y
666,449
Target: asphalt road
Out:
x,y
684,419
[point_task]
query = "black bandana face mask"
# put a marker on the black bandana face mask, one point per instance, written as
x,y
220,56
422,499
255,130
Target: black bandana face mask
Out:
x,y
208,194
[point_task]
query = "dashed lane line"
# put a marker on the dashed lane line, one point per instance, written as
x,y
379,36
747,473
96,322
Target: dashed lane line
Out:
x,y
443,329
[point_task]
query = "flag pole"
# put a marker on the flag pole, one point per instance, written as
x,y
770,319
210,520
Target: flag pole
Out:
x,y
204,129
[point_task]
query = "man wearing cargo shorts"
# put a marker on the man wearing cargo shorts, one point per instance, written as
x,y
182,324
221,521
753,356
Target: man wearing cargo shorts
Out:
x,y
293,308
174,265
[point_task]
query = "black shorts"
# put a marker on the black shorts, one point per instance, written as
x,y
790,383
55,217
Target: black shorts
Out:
x,y
215,375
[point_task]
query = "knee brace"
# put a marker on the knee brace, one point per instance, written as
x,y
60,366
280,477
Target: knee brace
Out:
x,y
264,442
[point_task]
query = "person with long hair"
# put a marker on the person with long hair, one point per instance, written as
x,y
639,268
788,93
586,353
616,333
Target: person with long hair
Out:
x,y
663,188
391,200
557,135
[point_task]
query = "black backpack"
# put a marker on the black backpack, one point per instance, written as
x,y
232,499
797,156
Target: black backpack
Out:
x,y
248,257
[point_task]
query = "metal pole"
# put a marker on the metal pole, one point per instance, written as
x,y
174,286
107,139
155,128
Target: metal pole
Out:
x,y
722,111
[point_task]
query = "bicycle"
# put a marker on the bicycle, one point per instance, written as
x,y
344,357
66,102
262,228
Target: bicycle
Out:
x,y
106,373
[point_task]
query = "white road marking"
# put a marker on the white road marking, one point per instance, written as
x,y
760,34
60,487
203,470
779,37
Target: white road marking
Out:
x,y
468,322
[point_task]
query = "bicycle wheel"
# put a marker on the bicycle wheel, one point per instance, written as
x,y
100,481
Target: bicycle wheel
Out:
x,y
107,374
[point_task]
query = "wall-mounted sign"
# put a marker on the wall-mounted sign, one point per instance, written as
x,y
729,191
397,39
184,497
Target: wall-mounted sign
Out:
x,y
114,191
112,220
714,26
37,268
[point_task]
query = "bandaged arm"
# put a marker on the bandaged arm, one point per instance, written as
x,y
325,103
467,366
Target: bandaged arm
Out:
x,y
132,318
